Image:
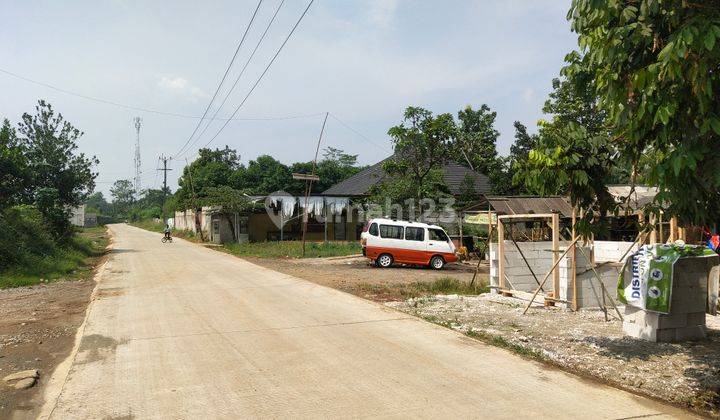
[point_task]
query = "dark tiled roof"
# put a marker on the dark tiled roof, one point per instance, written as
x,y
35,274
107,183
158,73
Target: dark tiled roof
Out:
x,y
361,183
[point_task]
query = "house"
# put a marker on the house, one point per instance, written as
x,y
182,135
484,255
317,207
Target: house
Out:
x,y
337,214
80,218
454,175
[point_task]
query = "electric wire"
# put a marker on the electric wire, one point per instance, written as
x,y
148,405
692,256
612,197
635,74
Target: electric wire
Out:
x,y
222,81
263,73
237,79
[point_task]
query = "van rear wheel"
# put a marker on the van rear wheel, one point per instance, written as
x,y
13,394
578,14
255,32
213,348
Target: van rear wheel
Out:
x,y
384,260
437,262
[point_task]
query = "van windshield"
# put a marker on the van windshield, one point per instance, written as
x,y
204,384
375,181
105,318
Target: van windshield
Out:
x,y
438,235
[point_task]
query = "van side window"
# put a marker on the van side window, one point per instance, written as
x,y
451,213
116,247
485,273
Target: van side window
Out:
x,y
414,233
438,235
391,232
373,229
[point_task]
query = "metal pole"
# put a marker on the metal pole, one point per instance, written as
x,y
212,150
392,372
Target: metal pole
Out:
x,y
309,183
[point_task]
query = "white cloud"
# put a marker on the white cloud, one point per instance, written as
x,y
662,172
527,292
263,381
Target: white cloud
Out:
x,y
180,85
172,83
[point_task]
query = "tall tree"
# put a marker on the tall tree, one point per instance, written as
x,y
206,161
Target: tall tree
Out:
x,y
656,66
266,175
13,168
123,197
524,142
422,143
96,201
60,177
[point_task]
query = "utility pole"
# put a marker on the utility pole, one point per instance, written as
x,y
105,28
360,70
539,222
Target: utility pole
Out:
x,y
165,170
308,183
138,122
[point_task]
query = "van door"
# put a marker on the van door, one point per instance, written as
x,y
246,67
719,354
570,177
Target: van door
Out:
x,y
438,242
415,245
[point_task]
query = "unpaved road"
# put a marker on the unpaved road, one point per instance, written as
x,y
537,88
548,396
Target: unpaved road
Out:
x,y
180,331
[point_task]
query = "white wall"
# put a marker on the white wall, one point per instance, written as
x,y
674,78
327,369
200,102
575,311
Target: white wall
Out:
x,y
612,250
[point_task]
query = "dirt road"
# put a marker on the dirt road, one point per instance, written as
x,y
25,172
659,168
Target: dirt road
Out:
x,y
179,331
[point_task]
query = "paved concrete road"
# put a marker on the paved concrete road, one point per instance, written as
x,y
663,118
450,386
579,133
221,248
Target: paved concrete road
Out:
x,y
180,331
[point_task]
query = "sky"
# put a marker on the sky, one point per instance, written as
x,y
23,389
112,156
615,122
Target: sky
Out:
x,y
362,61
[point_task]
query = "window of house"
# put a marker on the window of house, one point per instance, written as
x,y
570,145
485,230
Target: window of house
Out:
x,y
415,234
373,230
438,235
391,232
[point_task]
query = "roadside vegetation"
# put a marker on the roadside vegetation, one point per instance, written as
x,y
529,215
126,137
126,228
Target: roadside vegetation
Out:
x,y
293,249
404,291
42,178
40,260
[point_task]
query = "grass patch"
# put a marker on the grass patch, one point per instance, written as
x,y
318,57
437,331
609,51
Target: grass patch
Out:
x,y
500,341
293,249
493,340
442,286
72,261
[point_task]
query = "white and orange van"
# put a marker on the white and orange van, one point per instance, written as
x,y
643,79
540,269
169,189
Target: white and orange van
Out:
x,y
386,241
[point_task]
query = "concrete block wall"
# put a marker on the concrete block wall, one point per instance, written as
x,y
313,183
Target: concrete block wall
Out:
x,y
611,251
538,255
692,278
589,290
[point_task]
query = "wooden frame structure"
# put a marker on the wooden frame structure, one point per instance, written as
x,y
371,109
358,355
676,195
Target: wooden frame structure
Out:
x,y
555,226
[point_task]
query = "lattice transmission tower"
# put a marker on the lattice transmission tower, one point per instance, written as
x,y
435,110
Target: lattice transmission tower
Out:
x,y
136,161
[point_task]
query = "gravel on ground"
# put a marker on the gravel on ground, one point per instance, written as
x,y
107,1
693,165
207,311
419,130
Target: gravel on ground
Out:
x,y
687,374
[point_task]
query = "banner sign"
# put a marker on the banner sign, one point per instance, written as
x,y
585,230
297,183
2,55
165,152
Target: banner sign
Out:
x,y
647,277
479,218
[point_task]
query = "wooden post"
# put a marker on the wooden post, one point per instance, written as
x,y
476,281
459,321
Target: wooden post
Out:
x,y
460,223
641,223
556,248
661,237
682,233
325,209
673,229
501,254
573,267
653,232
282,222
552,269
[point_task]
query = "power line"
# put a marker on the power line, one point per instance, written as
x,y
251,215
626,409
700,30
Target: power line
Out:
x,y
263,73
361,135
227,70
149,110
237,79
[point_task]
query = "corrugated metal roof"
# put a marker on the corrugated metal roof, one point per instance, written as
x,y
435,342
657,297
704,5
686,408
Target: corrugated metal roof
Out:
x,y
641,195
453,176
524,204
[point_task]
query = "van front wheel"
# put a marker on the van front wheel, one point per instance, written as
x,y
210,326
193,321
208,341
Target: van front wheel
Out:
x,y
384,260
437,262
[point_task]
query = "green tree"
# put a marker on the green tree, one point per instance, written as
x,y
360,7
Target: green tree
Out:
x,y
422,143
656,68
60,178
13,168
524,142
123,197
228,202
334,167
96,203
475,145
265,175
573,154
